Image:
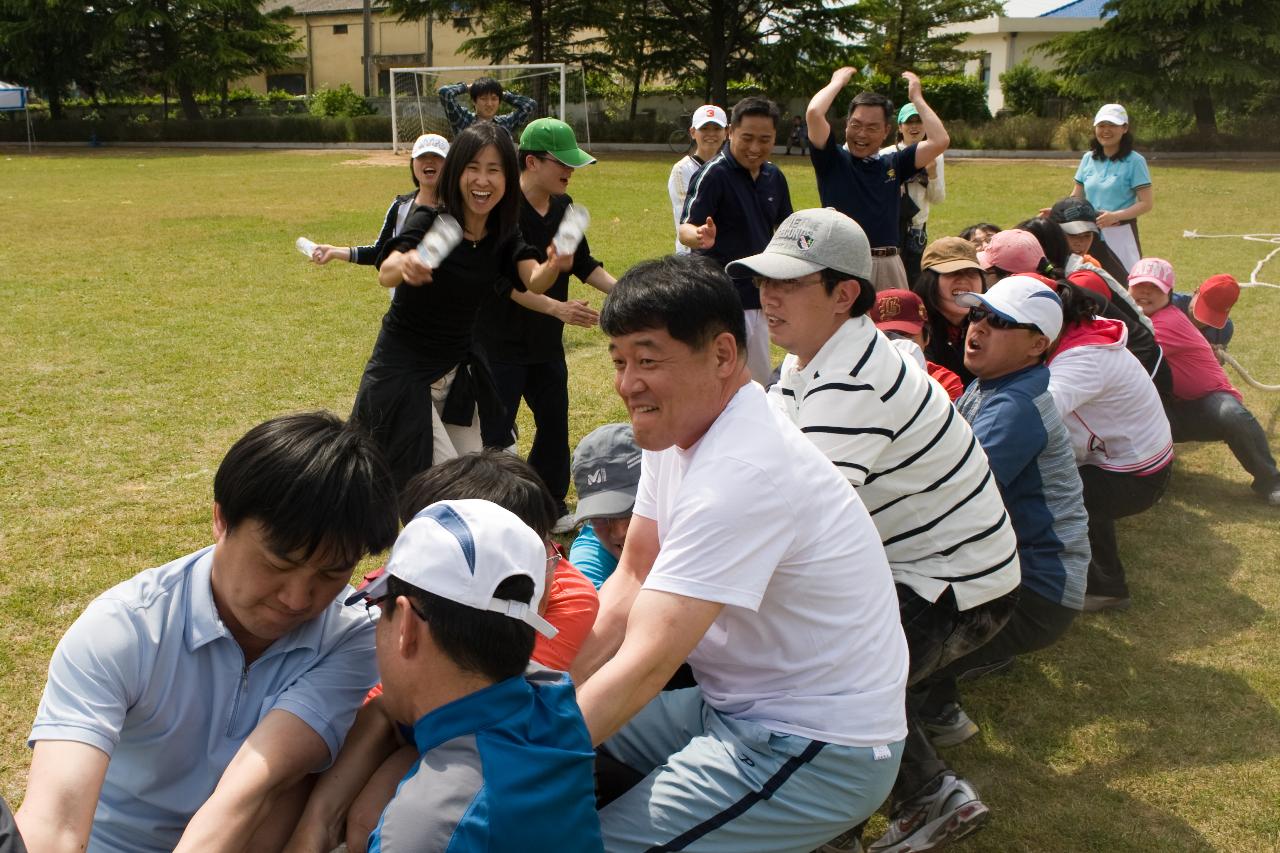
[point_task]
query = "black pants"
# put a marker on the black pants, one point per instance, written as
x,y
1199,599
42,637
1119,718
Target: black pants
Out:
x,y
1108,496
938,634
545,389
1036,623
1219,416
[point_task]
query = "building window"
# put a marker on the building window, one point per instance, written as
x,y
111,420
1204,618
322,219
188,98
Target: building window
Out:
x,y
294,84
339,29
984,71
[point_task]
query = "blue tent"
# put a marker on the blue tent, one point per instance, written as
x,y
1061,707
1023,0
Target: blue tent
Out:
x,y
12,99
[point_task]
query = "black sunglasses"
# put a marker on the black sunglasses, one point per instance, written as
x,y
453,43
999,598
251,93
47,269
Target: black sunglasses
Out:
x,y
373,607
995,321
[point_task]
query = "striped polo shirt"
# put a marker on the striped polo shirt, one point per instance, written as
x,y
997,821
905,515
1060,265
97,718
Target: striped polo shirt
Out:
x,y
893,433
1026,442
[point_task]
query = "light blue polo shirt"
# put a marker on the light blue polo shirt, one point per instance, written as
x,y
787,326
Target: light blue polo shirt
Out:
x,y
1113,184
151,676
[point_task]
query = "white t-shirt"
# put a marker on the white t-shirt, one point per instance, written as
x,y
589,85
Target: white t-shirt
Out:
x,y
754,517
894,435
677,188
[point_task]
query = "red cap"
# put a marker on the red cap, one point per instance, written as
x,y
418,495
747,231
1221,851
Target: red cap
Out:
x,y
1212,303
1090,280
899,311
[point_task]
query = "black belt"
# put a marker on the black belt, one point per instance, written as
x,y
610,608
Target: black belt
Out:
x,y
884,252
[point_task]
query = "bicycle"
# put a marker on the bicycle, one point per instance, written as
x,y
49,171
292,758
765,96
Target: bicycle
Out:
x,y
679,140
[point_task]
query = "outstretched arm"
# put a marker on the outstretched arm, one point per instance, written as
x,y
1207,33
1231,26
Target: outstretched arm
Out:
x,y
815,116
278,755
938,140
62,792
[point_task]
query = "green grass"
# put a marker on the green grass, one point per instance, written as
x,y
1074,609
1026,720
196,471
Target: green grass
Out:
x,y
155,309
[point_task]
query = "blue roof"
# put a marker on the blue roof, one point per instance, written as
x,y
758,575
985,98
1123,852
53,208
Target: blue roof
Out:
x,y
1079,9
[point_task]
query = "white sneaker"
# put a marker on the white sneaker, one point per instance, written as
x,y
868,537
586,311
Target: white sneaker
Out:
x,y
931,821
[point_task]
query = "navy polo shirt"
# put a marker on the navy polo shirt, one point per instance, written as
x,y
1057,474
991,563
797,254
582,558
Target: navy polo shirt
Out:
x,y
745,210
866,190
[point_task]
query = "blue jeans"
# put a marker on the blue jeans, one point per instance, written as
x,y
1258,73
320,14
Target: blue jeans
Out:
x,y
1219,416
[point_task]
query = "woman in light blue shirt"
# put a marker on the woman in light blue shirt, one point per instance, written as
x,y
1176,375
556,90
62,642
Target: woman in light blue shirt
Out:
x,y
1115,180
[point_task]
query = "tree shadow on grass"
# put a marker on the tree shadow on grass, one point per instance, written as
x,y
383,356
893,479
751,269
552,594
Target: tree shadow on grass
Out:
x,y
1085,743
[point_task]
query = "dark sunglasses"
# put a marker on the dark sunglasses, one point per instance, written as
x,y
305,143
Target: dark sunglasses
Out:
x,y
995,321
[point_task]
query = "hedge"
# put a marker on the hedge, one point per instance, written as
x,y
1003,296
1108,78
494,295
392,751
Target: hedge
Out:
x,y
254,129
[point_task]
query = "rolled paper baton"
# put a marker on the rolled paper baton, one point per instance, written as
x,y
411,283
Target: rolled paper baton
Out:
x,y
572,228
441,238
306,247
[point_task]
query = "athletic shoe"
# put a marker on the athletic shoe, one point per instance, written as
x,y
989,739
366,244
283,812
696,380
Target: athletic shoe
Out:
x,y
1273,497
846,842
564,524
1094,603
950,727
931,821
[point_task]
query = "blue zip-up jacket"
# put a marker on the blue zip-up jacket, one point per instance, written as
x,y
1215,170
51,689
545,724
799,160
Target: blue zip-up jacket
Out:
x,y
509,767
1027,445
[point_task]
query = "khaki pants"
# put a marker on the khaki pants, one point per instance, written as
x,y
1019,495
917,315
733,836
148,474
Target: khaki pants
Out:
x,y
888,273
449,441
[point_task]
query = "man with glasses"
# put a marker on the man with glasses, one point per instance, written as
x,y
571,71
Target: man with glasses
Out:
x,y
504,758
522,336
859,181
1012,328
893,434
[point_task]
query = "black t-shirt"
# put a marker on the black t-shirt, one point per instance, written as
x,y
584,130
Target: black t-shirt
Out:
x,y
431,326
511,333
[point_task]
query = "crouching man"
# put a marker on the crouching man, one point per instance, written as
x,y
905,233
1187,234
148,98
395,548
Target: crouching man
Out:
x,y
187,706
749,555
505,760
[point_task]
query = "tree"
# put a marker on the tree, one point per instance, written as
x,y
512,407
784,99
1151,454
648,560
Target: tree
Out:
x,y
898,33
51,44
1200,53
198,46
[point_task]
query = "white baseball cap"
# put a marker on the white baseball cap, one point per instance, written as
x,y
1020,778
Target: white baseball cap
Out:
x,y
1111,114
708,113
430,143
462,550
1020,299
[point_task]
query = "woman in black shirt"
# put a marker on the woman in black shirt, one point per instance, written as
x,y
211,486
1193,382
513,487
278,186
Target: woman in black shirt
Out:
x,y
425,386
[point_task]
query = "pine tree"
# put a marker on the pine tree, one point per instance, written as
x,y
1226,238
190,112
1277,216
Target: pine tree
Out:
x,y
1197,53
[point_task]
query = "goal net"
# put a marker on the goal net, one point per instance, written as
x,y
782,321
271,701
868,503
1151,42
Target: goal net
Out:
x,y
558,88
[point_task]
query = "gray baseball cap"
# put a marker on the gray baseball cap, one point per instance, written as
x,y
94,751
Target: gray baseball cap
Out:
x,y
809,241
606,472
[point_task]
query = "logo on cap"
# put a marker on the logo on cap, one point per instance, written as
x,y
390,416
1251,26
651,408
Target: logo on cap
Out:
x,y
804,241
710,111
890,308
597,477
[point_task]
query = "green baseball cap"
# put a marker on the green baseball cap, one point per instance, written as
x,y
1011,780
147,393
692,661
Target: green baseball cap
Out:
x,y
555,138
908,111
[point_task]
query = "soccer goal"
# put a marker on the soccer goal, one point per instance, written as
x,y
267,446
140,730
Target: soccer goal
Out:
x,y
416,109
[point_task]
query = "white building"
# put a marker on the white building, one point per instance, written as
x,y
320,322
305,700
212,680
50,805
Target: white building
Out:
x,y
1002,42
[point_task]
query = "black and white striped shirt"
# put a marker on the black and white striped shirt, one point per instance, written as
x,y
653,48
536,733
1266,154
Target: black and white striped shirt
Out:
x,y
893,433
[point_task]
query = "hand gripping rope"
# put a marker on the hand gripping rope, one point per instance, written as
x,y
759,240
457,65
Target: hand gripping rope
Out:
x,y
1270,239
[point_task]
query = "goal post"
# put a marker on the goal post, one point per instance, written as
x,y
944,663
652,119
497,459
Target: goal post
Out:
x,y
416,109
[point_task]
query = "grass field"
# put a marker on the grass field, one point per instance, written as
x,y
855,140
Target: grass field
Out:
x,y
154,309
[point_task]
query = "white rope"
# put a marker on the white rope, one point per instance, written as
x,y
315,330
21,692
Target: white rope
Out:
x,y
1228,359
1270,239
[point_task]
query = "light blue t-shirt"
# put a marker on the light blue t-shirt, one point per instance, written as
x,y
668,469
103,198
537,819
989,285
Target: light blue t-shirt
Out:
x,y
151,676
589,556
1113,184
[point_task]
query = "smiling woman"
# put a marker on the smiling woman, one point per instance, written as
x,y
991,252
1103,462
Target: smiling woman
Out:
x,y
424,389
1115,179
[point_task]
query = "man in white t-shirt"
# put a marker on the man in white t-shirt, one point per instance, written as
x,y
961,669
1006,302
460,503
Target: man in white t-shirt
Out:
x,y
894,435
707,128
749,555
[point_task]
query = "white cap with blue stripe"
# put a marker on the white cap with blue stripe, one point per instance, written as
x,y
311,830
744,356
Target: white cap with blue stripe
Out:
x,y
462,550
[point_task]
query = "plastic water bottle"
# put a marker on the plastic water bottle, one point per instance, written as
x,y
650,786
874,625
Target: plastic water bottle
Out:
x,y
572,228
306,247
441,239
